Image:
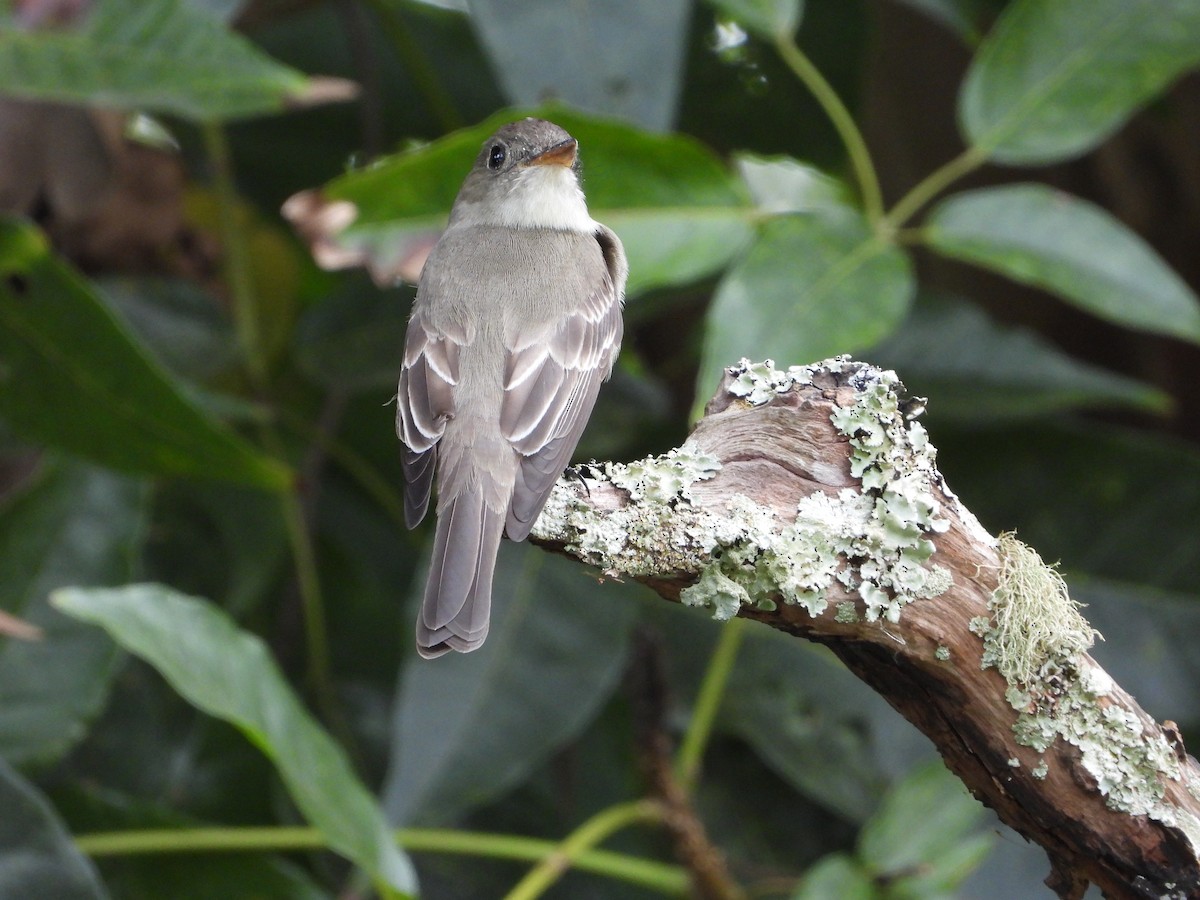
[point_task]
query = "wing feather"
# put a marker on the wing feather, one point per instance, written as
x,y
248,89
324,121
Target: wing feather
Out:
x,y
424,403
552,386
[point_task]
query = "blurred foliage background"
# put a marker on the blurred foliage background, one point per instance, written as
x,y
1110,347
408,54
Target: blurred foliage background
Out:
x,y
206,593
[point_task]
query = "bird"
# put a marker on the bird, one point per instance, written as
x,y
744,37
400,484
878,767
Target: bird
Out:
x,y
516,322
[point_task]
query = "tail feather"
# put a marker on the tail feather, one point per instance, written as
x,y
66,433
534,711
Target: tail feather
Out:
x,y
458,594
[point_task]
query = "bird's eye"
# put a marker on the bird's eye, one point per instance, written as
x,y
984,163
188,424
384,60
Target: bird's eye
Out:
x,y
496,156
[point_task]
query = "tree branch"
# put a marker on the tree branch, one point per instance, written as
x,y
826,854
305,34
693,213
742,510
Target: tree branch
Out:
x,y
809,500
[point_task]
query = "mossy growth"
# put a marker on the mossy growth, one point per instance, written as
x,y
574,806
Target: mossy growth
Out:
x,y
1036,638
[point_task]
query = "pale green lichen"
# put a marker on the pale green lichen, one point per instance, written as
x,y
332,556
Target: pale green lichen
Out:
x,y
873,542
942,653
721,594
663,478
757,383
847,613
1037,638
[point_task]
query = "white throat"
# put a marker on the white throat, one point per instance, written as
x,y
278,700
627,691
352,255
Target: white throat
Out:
x,y
539,197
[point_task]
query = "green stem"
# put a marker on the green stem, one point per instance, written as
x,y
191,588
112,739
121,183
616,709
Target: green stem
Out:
x,y
933,184
831,103
235,244
708,703
665,879
592,832
235,255
309,583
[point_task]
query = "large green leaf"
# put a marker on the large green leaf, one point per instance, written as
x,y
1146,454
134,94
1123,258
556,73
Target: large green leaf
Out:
x,y
75,525
638,76
1041,236
811,737
1056,77
813,285
37,857
72,377
678,210
170,56
1113,503
974,369
837,875
229,673
942,850
468,727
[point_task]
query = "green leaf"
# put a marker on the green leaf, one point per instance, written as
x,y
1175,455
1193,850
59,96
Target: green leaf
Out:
x,y
72,377
679,212
169,56
179,323
811,736
229,674
37,855
558,643
973,369
769,19
1056,77
74,525
812,286
781,184
638,77
1115,503
1037,235
352,339
837,876
946,814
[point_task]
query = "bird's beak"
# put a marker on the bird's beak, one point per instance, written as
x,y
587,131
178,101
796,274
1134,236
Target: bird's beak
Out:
x,y
559,155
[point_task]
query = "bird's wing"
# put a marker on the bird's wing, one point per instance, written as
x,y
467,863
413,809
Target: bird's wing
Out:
x,y
424,401
551,383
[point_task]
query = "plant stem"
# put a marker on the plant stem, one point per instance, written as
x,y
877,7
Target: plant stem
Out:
x,y
592,832
235,246
708,703
831,103
650,874
235,255
933,183
308,582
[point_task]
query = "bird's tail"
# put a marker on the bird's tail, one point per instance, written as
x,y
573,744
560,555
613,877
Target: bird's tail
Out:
x,y
458,594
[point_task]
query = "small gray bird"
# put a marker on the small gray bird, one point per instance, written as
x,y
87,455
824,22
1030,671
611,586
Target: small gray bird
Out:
x,y
517,321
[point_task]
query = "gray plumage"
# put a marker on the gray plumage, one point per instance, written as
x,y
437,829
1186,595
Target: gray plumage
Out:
x,y
517,321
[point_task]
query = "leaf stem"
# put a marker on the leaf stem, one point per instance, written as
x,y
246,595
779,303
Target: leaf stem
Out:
x,y
708,703
592,832
933,184
235,254
650,874
831,103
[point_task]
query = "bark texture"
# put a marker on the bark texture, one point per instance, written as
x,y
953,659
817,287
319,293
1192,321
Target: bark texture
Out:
x,y
1064,756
